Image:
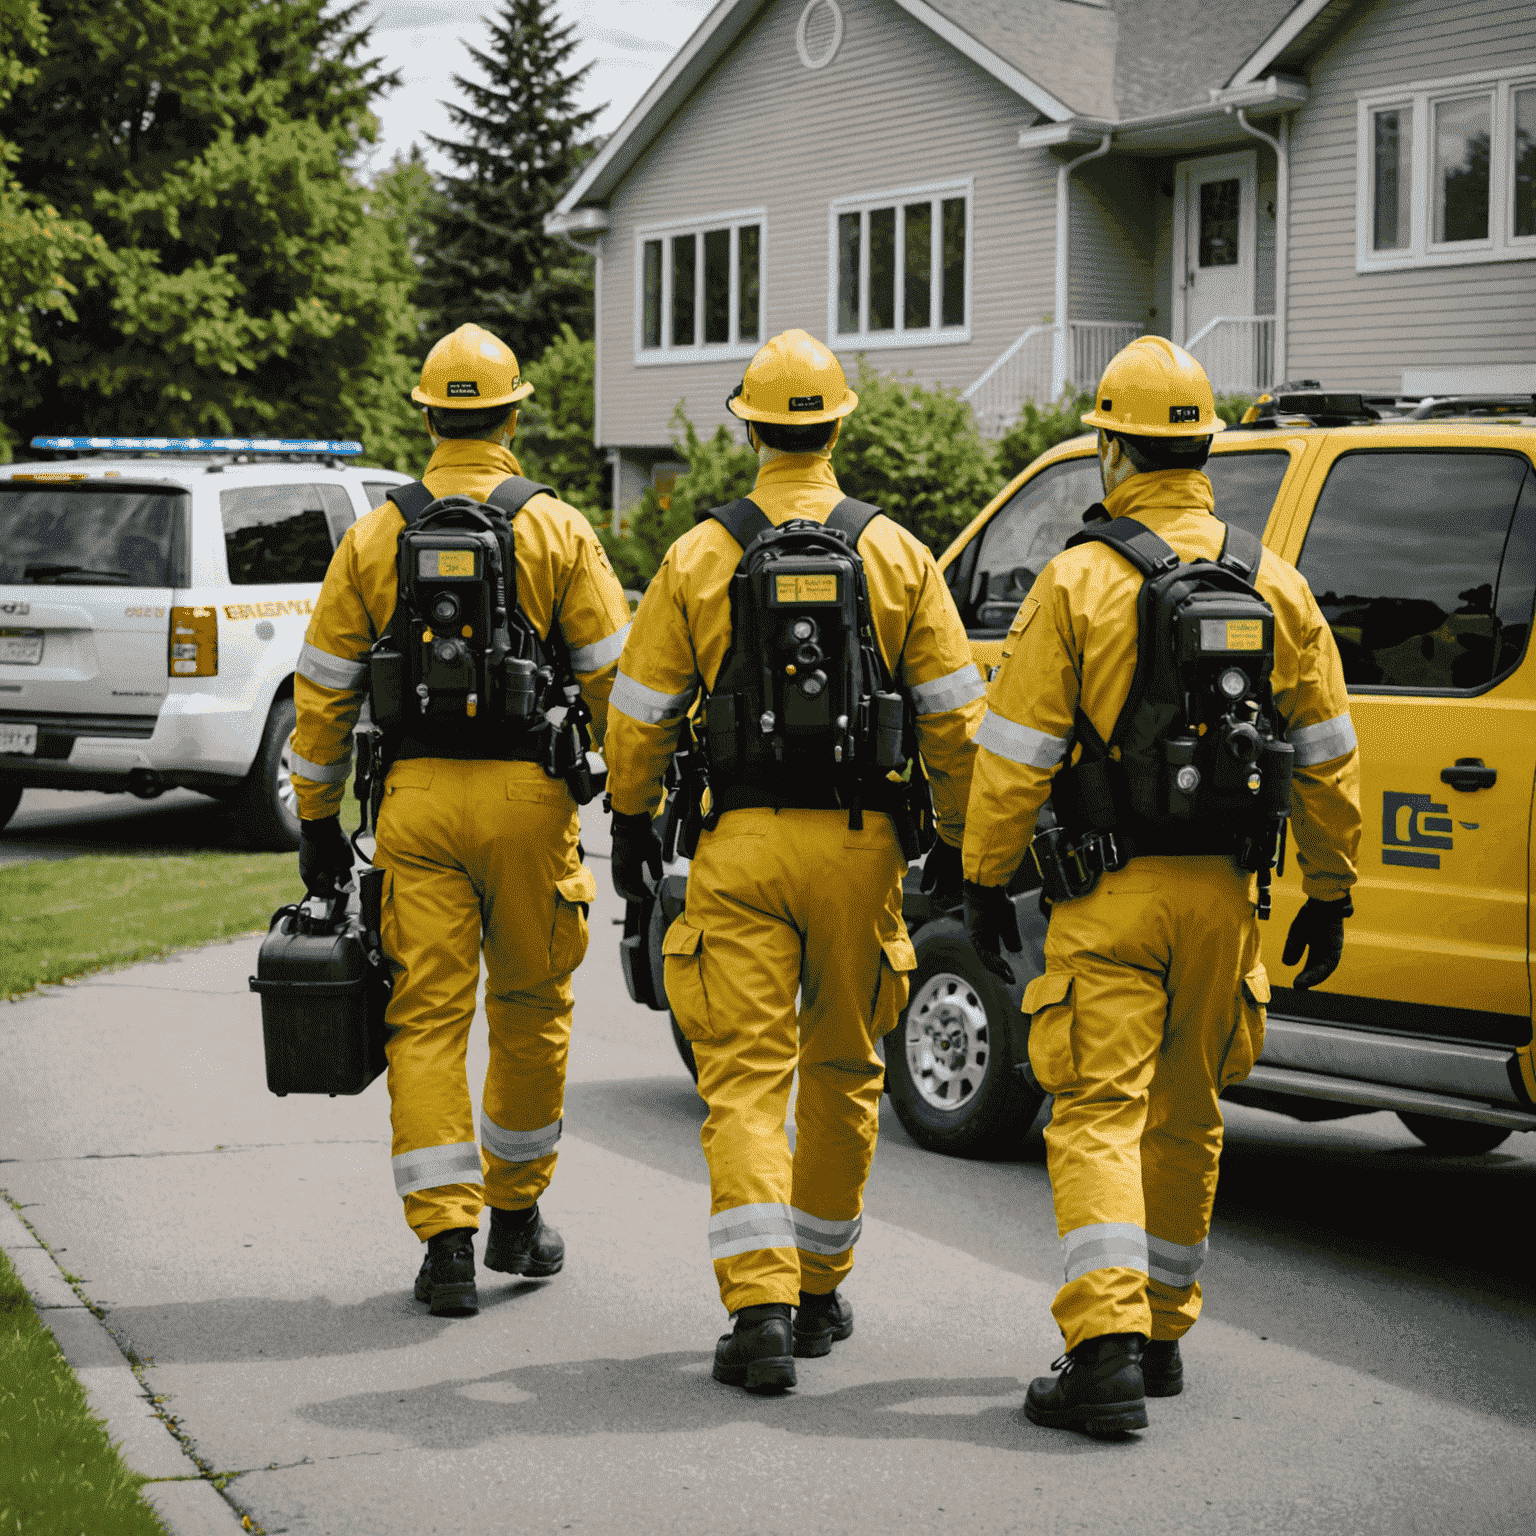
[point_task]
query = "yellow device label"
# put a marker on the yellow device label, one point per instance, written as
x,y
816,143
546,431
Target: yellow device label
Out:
x,y
806,589
455,562
1232,634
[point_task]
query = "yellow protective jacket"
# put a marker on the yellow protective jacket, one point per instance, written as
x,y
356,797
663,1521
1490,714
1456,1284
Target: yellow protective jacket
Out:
x,y
1075,640
683,630
563,576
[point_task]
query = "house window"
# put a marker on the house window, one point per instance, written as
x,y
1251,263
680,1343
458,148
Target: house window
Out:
x,y
1447,173
699,289
899,273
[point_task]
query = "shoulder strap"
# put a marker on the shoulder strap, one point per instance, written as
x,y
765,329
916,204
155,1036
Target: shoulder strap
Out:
x,y
411,500
1135,541
850,518
1241,553
514,493
744,520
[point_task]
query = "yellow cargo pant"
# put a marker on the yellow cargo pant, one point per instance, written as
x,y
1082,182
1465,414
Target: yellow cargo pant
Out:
x,y
1152,1002
478,853
780,903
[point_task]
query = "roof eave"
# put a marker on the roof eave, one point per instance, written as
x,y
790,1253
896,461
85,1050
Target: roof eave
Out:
x,y
1297,22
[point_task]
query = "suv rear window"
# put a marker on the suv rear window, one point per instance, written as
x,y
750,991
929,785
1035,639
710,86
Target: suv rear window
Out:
x,y
282,533
1424,564
91,536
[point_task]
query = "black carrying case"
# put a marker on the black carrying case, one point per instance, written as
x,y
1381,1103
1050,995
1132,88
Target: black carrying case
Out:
x,y
324,985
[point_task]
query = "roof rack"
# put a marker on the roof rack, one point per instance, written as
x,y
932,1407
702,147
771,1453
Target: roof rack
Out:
x,y
1306,399
226,449
1439,407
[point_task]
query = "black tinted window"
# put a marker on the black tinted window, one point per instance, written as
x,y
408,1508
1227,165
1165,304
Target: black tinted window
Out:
x,y
1422,568
91,536
275,533
1246,485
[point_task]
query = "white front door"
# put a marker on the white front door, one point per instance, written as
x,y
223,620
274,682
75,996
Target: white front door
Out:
x,y
1215,225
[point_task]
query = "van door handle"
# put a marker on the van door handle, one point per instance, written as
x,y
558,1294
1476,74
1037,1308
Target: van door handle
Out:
x,y
1469,774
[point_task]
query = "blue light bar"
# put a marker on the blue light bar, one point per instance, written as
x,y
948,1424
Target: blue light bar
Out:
x,y
201,444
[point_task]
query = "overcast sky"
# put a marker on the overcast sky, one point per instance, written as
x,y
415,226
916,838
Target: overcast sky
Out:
x,y
628,44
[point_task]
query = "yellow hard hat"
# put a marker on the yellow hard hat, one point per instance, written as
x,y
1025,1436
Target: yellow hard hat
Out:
x,y
470,370
1155,389
793,381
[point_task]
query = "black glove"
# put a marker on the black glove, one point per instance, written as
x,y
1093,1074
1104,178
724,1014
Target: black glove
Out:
x,y
992,926
325,856
1318,931
941,873
636,852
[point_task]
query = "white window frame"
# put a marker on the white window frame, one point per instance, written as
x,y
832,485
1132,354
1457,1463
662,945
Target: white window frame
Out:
x,y
932,335
1417,101
734,350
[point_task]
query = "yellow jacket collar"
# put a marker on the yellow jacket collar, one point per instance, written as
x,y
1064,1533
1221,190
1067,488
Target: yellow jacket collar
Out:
x,y
798,470
1161,494
468,453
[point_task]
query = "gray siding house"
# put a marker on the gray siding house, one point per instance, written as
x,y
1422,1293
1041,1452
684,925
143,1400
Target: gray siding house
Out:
x,y
997,195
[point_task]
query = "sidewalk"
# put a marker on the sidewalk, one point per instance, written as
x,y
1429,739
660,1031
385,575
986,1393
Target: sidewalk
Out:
x,y
249,1251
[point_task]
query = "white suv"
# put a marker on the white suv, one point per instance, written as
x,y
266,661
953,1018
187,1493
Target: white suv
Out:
x,y
153,599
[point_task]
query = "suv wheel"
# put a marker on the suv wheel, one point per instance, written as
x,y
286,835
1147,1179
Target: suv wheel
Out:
x,y
265,804
10,798
1454,1138
949,1067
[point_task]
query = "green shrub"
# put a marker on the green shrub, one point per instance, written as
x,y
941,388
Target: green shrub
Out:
x,y
554,429
1038,430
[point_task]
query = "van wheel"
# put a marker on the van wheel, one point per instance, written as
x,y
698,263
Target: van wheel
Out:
x,y
10,798
265,805
1454,1138
949,1068
684,1046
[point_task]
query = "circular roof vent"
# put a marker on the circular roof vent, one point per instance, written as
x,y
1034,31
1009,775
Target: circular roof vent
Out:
x,y
819,34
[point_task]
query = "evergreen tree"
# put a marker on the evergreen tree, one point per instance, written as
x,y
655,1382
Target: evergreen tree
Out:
x,y
523,143
245,282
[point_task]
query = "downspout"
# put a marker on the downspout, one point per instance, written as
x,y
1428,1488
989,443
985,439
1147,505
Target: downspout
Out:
x,y
1282,149
1063,288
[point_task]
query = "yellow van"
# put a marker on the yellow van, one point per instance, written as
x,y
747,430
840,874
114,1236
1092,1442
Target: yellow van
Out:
x,y
1419,540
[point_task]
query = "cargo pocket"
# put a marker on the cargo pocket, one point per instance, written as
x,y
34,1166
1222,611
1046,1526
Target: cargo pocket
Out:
x,y
568,938
1247,1042
682,951
897,962
1048,1002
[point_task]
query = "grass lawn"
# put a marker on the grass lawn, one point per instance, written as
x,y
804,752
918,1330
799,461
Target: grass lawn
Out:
x,y
59,1475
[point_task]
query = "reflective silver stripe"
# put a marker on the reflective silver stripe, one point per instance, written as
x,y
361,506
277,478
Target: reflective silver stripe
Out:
x,y
746,1228
318,773
1019,743
592,658
815,1234
1323,742
647,705
518,1146
1104,1245
948,692
330,671
1175,1264
429,1167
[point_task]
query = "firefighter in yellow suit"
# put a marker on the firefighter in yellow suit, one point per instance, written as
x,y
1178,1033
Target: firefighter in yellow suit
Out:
x,y
783,896
1153,997
479,846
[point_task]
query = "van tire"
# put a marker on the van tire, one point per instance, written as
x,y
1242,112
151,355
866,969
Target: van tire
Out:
x,y
264,805
10,798
1454,1138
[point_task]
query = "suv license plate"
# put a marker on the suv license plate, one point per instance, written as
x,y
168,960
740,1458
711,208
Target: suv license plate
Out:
x,y
21,647
19,740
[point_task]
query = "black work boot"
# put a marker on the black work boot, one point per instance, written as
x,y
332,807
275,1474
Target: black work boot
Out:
x,y
1099,1389
1162,1371
447,1275
523,1243
756,1353
820,1321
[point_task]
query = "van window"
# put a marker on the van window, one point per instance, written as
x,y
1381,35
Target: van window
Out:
x,y
1424,564
1246,485
91,536
275,533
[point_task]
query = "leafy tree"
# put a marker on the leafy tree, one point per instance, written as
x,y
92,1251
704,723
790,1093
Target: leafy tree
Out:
x,y
245,281
554,434
524,140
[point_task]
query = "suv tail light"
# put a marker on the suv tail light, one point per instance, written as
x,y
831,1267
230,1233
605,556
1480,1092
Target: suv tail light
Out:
x,y
194,643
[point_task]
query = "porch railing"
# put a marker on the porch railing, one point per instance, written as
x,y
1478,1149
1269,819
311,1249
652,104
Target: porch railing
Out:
x,y
1025,370
1237,353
